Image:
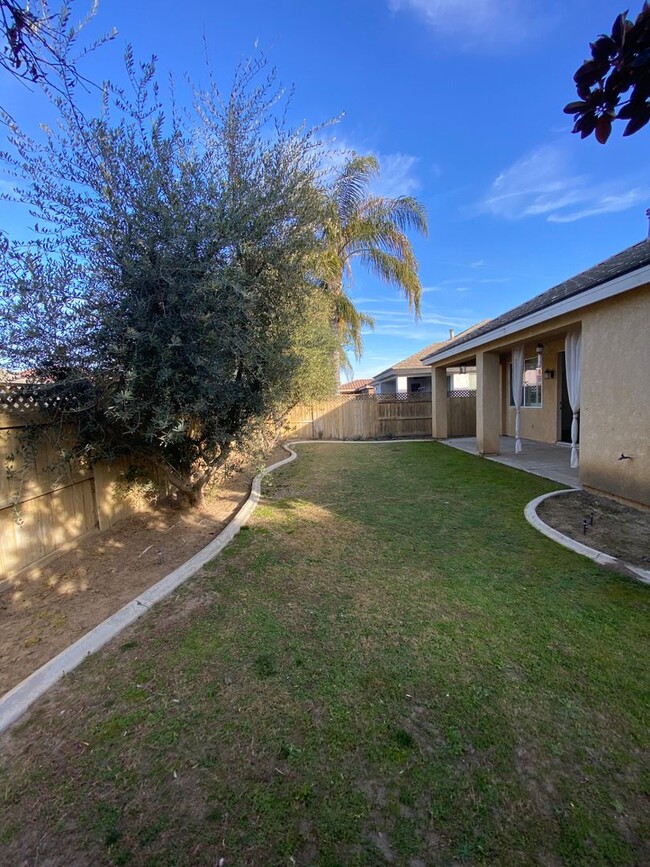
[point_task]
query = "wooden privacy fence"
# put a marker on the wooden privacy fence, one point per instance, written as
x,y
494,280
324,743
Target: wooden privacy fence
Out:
x,y
370,417
44,510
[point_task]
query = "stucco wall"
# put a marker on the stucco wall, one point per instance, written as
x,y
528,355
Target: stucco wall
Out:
x,y
616,396
389,386
615,405
537,423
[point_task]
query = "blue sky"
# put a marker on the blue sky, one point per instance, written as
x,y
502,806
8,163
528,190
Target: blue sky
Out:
x,y
461,101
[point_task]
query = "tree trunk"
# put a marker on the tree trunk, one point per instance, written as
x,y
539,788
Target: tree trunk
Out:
x,y
336,328
193,491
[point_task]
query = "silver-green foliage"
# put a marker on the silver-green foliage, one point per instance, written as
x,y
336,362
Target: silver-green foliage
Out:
x,y
166,299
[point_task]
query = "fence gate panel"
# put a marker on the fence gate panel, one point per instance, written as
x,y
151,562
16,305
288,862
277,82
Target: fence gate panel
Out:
x,y
461,413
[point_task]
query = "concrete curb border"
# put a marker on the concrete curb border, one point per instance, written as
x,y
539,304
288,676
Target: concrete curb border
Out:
x,y
534,520
15,702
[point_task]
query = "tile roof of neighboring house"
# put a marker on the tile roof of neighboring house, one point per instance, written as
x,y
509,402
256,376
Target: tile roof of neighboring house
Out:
x,y
14,376
355,385
622,263
414,362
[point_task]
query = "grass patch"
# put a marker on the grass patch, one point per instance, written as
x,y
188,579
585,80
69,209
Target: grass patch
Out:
x,y
390,665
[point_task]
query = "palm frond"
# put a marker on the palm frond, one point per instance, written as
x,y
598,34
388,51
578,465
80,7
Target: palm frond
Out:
x,y
366,235
391,269
404,212
373,230
349,322
351,185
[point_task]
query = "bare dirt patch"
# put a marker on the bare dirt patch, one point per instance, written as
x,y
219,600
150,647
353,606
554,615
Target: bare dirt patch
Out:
x,y
618,530
45,609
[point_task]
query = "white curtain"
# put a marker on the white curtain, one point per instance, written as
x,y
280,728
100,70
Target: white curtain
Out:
x,y
517,390
572,365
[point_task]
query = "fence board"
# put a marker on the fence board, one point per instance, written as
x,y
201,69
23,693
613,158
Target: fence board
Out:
x,y
41,510
461,416
367,416
20,482
44,524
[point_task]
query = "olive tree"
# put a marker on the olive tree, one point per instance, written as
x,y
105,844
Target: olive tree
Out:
x,y
162,307
40,44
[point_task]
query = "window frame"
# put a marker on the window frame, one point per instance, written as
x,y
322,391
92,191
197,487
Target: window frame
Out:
x,y
530,365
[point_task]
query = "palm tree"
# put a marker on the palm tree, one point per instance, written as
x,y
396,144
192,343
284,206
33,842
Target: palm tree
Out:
x,y
373,230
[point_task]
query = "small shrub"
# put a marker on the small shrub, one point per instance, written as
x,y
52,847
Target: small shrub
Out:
x,y
136,485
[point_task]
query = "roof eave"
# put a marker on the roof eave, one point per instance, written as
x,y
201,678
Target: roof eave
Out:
x,y
611,288
407,371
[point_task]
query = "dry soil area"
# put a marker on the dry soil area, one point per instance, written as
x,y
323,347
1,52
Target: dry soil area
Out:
x,y
45,609
621,531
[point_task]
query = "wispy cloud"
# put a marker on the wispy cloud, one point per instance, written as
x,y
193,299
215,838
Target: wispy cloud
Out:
x,y
398,175
483,25
398,171
543,183
397,331
605,204
393,324
422,336
8,188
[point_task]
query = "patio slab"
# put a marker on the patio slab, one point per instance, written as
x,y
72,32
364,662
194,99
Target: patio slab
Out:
x,y
542,459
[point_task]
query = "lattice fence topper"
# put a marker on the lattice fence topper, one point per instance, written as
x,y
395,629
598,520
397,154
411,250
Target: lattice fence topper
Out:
x,y
415,395
27,398
344,398
462,392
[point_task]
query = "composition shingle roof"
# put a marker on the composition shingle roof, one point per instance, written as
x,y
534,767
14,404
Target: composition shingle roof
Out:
x,y
414,362
622,263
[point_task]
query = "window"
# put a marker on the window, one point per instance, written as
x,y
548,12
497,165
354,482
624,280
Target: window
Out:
x,y
532,384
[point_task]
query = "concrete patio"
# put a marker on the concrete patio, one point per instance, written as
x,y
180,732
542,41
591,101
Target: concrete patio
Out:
x,y
541,459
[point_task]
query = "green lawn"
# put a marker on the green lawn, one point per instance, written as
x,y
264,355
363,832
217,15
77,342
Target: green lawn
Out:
x,y
388,666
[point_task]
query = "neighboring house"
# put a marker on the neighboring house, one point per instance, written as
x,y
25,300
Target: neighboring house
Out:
x,y
358,386
412,375
13,377
582,350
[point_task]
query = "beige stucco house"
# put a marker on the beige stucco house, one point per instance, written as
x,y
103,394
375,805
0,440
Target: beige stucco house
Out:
x,y
412,376
582,350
